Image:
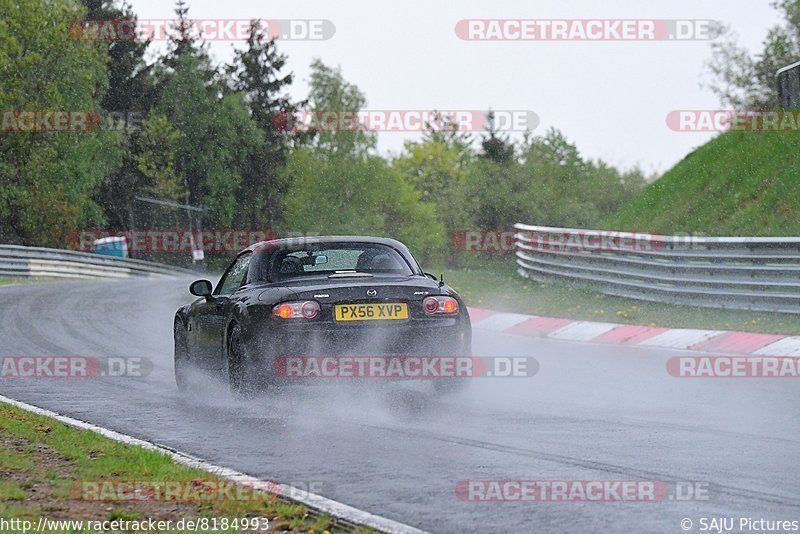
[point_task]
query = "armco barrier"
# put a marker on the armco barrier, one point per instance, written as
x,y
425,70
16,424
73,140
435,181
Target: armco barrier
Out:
x,y
17,260
753,273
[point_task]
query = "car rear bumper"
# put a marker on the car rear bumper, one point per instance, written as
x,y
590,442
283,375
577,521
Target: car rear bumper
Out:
x,y
272,345
452,339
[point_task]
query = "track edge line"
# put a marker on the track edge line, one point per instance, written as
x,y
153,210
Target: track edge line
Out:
x,y
317,502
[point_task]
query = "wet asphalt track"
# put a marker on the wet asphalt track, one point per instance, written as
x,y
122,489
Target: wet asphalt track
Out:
x,y
592,412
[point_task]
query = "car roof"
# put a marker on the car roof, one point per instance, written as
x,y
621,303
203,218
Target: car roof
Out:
x,y
292,242
264,249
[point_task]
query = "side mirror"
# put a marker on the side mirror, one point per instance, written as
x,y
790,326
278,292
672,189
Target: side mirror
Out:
x,y
320,260
201,288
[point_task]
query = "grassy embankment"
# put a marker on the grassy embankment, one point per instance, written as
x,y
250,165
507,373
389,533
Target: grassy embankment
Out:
x,y
43,462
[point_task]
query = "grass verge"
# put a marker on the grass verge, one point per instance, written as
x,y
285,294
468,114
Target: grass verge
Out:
x,y
739,183
46,466
505,290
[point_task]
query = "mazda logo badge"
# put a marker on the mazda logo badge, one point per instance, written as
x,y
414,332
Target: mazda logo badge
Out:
x,y
371,292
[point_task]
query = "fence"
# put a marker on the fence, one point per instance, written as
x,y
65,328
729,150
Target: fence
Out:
x,y
753,273
47,262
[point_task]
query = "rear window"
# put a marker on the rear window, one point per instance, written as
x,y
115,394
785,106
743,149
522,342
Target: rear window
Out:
x,y
337,259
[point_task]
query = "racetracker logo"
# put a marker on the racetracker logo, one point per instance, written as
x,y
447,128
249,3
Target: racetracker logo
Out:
x,y
61,120
141,30
404,367
404,120
733,120
580,490
173,490
596,241
209,241
587,30
73,367
198,490
734,367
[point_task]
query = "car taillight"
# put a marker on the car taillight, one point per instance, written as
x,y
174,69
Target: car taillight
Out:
x,y
310,309
440,305
430,305
292,310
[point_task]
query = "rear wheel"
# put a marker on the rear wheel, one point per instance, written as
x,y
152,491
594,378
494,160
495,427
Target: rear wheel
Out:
x,y
181,357
244,376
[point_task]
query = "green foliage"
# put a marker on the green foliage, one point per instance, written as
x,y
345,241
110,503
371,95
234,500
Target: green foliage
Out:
x,y
331,92
550,184
496,147
218,135
339,188
433,168
747,81
255,72
335,196
49,178
156,159
131,89
212,137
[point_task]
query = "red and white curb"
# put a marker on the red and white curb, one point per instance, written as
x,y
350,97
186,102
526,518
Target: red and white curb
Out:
x,y
317,502
634,335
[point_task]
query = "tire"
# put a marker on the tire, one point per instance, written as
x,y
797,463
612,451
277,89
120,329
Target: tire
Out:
x,y
244,377
181,357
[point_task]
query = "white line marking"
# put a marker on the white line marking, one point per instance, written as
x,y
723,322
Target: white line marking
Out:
x,y
311,500
582,330
788,346
500,321
680,338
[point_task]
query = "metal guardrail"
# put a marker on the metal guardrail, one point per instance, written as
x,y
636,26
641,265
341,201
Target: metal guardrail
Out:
x,y
17,260
751,273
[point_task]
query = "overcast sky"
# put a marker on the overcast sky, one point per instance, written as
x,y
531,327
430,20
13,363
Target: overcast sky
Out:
x,y
610,98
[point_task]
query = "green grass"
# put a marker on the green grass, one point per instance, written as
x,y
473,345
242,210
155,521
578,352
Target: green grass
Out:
x,y
42,460
10,491
505,290
739,183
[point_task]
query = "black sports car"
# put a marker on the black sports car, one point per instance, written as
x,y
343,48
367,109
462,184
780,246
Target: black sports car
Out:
x,y
321,296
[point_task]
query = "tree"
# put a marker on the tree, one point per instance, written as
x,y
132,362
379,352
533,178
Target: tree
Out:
x,y
338,187
131,91
432,167
48,178
255,72
155,159
495,146
130,81
435,170
330,92
219,136
746,81
442,129
183,42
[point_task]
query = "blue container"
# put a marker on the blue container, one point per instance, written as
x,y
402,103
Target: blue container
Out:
x,y
111,246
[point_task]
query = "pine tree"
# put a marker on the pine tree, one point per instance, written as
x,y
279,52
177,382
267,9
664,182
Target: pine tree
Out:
x,y
256,72
495,146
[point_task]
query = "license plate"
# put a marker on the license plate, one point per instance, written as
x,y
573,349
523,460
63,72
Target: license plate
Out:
x,y
370,312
